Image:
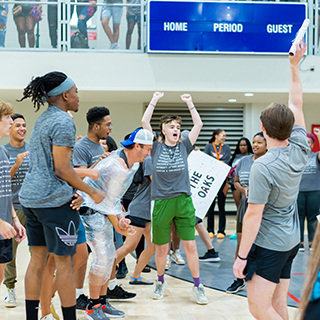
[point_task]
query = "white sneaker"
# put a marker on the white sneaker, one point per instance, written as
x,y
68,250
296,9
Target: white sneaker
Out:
x,y
158,291
114,46
10,299
177,257
48,317
199,294
168,262
53,311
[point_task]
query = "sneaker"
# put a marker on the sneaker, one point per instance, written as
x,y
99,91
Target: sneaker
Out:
x,y
114,46
10,299
122,270
48,317
118,293
301,247
110,311
236,286
95,313
220,236
233,237
53,311
199,294
159,289
211,235
210,256
177,257
168,262
82,302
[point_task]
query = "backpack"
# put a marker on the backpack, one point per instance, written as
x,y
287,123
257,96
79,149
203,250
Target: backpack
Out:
x,y
78,40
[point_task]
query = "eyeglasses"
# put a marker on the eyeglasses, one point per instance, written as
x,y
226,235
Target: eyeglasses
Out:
x,y
109,125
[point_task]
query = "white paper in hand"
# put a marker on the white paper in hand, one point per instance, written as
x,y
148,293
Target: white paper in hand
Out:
x,y
300,34
206,177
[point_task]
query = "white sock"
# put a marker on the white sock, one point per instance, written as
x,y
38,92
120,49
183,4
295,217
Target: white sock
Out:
x,y
112,283
79,292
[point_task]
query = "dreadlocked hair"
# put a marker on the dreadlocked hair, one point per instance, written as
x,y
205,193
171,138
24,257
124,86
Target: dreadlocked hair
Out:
x,y
38,88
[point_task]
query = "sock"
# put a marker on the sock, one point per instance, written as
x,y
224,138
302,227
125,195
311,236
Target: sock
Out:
x,y
112,283
79,292
161,278
196,281
32,307
93,302
69,313
103,299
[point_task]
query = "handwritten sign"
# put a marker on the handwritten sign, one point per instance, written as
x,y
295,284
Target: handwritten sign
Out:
x,y
206,177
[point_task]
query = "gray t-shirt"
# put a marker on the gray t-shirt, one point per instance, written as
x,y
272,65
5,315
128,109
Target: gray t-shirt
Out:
x,y
41,187
310,180
225,153
86,152
135,11
274,181
170,175
5,187
140,204
243,170
17,180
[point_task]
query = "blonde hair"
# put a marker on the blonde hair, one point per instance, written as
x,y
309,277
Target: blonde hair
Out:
x,y
311,274
5,109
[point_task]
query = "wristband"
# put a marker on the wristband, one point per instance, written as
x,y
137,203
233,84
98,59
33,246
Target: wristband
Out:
x,y
243,259
14,217
192,108
152,105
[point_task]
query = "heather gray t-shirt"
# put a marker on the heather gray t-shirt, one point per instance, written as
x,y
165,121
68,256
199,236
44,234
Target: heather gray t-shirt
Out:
x,y
243,170
310,180
41,187
170,175
225,153
5,187
140,204
274,181
86,152
17,179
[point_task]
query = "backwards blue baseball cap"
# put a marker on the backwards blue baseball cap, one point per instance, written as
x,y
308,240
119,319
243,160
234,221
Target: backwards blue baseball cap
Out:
x,y
141,136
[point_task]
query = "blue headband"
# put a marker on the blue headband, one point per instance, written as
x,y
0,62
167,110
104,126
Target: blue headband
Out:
x,y
66,85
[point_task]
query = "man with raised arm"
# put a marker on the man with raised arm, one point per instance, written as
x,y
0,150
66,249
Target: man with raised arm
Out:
x,y
171,195
270,235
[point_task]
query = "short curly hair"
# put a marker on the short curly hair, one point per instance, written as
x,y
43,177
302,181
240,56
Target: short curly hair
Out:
x,y
5,109
96,114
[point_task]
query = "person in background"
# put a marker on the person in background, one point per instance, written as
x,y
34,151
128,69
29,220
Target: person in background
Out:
x,y
309,192
219,150
18,151
241,182
3,22
10,225
133,18
24,22
115,12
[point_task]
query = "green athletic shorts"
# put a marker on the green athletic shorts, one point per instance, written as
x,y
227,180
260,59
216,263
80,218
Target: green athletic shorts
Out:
x,y
179,209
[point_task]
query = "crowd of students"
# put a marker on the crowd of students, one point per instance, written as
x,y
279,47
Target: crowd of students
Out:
x,y
72,196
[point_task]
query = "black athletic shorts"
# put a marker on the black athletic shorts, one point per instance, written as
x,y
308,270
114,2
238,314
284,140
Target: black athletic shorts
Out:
x,y
198,220
137,222
55,228
269,264
6,250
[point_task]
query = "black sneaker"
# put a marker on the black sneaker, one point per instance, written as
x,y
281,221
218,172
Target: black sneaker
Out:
x,y
82,302
301,247
119,293
237,286
122,270
210,256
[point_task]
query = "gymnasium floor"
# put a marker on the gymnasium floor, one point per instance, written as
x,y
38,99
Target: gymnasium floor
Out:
x,y
178,304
